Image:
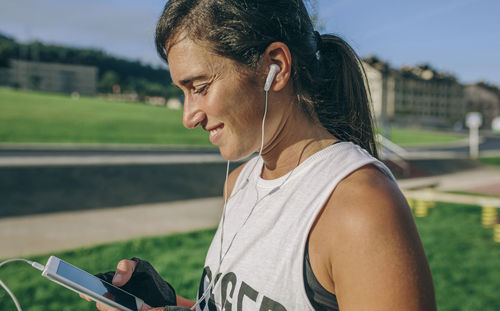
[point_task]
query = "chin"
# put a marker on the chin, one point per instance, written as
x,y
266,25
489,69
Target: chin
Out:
x,y
234,155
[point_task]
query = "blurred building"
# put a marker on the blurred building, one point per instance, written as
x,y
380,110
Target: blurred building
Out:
x,y
174,103
414,95
483,98
50,77
380,78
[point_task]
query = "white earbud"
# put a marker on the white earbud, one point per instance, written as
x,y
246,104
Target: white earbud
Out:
x,y
273,70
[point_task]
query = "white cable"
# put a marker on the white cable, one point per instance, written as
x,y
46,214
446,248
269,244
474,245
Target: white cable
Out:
x,y
224,211
11,296
34,264
221,257
207,290
263,125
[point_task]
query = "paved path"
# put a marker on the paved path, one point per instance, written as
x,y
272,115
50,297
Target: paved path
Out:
x,y
36,234
484,180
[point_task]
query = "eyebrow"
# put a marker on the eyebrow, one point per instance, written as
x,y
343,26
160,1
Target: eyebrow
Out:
x,y
189,80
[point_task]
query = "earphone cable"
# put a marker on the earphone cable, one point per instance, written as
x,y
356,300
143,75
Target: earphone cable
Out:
x,y
212,283
12,296
34,264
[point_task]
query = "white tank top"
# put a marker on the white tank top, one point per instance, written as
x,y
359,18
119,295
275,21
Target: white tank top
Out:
x,y
265,231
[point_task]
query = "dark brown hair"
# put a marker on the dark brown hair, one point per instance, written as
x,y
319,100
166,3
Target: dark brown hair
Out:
x,y
327,74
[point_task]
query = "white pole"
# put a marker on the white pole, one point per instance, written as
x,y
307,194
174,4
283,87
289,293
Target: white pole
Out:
x,y
473,120
474,142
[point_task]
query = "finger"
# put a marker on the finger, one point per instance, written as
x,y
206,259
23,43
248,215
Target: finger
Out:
x,y
102,307
85,297
145,307
124,271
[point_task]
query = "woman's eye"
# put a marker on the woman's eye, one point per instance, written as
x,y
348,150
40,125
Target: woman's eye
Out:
x,y
201,89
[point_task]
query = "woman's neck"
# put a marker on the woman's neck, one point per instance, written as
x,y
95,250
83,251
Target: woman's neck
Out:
x,y
292,145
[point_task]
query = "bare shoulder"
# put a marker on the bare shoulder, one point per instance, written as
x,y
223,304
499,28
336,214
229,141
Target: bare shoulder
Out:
x,y
365,205
365,202
368,195
375,257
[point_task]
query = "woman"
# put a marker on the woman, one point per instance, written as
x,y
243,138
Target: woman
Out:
x,y
315,221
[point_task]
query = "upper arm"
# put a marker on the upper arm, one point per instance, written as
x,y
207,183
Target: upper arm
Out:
x,y
375,255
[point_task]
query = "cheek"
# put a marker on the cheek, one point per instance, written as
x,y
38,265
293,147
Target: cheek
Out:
x,y
248,113
239,107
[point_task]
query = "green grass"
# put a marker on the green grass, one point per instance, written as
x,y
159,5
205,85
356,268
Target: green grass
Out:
x,y
490,161
32,117
178,258
409,137
464,260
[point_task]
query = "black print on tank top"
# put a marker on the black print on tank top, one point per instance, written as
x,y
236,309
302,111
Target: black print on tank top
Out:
x,y
232,298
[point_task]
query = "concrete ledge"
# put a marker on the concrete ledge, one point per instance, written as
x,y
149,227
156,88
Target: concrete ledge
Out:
x,y
419,183
108,160
427,195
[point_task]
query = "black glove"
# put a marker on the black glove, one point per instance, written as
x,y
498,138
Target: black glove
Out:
x,y
146,284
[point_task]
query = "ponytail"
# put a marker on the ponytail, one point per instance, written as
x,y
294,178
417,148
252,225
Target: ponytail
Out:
x,y
327,76
341,102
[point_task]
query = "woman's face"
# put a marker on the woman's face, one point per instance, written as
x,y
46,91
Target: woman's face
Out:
x,y
217,97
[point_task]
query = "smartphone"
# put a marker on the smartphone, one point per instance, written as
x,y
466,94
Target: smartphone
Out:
x,y
82,282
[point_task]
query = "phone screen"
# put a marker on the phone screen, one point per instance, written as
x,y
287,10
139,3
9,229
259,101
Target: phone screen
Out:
x,y
96,285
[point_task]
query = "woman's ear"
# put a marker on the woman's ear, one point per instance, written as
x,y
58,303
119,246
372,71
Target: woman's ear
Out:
x,y
279,54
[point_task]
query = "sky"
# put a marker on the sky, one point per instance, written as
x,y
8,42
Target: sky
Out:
x,y
460,37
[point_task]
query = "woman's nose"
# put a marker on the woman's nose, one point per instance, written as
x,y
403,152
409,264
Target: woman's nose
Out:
x,y
192,116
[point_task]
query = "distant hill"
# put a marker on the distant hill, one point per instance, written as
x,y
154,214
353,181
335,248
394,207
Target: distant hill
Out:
x,y
132,76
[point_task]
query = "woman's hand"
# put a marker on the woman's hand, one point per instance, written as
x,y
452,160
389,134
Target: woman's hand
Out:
x,y
144,307
124,271
139,278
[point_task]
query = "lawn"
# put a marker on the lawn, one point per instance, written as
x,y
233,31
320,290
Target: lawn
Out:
x,y
495,161
33,117
463,257
414,137
29,117
178,258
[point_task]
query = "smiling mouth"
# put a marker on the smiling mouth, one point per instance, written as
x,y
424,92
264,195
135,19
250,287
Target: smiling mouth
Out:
x,y
216,130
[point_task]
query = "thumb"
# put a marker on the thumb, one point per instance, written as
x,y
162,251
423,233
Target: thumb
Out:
x,y
124,271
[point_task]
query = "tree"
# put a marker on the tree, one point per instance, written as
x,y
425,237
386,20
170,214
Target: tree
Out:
x,y
106,82
131,75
